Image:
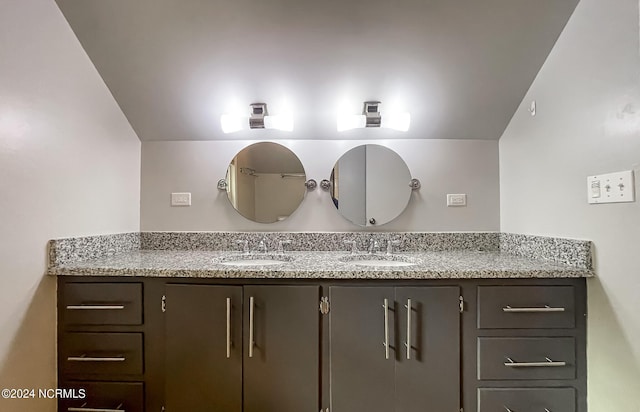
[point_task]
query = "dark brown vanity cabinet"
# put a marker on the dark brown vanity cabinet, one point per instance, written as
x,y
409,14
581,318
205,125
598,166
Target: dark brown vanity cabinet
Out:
x,y
293,345
528,348
242,348
101,357
395,349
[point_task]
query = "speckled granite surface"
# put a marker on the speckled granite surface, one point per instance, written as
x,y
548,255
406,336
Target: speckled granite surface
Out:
x,y
320,265
78,249
321,241
433,256
560,250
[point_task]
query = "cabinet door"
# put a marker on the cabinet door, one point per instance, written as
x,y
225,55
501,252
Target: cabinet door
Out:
x,y
281,348
200,374
362,376
428,378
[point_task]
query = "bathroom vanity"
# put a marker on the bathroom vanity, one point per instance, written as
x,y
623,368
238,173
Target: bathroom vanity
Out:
x,y
460,321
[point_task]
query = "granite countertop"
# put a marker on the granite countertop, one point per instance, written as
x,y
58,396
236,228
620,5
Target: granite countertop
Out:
x,y
320,265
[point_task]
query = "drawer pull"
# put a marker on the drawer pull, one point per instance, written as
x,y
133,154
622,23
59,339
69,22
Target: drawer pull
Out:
x,y
544,309
548,364
84,358
83,408
95,307
511,410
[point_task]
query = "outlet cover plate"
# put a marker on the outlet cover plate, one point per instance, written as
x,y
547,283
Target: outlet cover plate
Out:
x,y
456,200
180,199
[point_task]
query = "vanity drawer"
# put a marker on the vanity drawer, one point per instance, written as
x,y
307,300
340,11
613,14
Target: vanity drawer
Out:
x,y
526,399
526,358
105,396
101,353
102,303
531,307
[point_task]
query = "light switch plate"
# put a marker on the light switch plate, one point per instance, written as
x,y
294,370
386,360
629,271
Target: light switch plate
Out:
x,y
457,199
616,187
180,199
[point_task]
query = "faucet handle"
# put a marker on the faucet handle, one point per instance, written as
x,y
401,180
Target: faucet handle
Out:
x,y
391,243
262,245
245,245
354,245
373,245
281,244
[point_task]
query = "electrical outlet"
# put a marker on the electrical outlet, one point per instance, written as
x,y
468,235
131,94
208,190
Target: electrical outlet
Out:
x,y
180,199
456,199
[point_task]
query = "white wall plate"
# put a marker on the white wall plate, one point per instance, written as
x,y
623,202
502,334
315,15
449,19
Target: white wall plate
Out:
x,y
616,187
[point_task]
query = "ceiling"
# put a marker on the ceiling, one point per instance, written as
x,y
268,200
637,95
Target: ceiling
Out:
x,y
460,67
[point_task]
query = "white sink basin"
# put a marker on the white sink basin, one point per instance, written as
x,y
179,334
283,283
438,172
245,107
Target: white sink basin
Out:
x,y
255,260
378,260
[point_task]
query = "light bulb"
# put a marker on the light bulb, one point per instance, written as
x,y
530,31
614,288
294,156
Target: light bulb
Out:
x,y
351,121
232,123
280,122
396,121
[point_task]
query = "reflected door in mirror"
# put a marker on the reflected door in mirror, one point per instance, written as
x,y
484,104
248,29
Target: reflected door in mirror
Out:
x,y
370,185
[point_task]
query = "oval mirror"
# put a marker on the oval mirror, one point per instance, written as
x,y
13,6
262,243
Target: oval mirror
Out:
x,y
265,182
370,185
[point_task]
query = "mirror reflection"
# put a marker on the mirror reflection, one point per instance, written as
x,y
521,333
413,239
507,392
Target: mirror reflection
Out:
x,y
370,185
265,182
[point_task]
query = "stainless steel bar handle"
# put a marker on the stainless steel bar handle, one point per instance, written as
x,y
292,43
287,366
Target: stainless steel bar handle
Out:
x,y
386,328
96,359
94,410
542,309
95,307
251,342
548,364
507,409
228,328
408,344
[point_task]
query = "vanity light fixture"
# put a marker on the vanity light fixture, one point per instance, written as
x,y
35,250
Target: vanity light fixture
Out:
x,y
371,117
258,118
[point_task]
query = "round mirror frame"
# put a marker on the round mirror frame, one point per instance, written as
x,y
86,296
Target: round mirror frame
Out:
x,y
265,182
372,196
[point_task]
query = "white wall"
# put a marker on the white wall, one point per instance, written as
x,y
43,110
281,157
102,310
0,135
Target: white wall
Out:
x,y
588,122
443,166
69,165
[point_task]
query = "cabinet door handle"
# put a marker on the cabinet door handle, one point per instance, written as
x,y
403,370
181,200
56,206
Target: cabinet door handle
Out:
x,y
386,328
510,410
547,364
542,309
95,307
228,328
83,408
408,344
251,342
84,358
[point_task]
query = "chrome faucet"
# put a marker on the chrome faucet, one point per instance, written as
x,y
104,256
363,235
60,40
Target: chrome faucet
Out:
x,y
262,246
391,244
373,245
281,244
354,246
245,246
